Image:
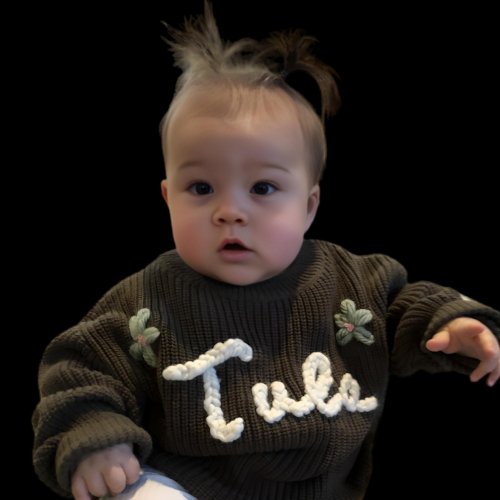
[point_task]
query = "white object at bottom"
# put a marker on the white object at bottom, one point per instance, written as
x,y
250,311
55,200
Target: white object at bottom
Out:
x,y
152,485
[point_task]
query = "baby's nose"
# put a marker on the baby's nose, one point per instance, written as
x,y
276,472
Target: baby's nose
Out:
x,y
230,213
230,218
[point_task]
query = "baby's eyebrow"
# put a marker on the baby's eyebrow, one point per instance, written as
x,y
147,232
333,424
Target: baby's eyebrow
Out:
x,y
196,163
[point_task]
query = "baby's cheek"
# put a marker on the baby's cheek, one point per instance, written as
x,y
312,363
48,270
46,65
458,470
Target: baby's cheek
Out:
x,y
187,235
284,239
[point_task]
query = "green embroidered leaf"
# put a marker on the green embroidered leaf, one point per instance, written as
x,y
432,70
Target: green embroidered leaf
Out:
x,y
348,308
134,328
340,319
344,336
150,334
362,317
142,317
362,332
363,335
149,355
136,351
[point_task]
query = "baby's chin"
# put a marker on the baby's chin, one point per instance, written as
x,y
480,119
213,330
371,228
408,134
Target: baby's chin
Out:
x,y
243,273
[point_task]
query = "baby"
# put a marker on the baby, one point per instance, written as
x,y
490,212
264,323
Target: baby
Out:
x,y
248,362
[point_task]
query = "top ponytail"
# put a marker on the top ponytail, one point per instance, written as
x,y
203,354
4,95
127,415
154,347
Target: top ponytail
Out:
x,y
206,61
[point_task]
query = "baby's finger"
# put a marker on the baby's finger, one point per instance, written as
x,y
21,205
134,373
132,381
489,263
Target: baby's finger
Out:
x,y
96,485
132,468
79,488
438,342
115,479
494,375
488,364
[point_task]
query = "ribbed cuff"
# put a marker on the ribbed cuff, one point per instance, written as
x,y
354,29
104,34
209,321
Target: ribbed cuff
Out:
x,y
103,431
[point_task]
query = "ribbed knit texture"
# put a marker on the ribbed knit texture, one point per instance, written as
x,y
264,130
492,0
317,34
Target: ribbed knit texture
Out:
x,y
94,394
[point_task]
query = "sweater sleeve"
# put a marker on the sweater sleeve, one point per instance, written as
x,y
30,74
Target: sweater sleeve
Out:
x,y
416,312
92,393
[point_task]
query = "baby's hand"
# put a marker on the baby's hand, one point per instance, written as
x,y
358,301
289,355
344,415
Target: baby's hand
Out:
x,y
469,337
112,468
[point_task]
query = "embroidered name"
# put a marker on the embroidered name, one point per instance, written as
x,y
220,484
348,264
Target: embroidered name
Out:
x,y
317,382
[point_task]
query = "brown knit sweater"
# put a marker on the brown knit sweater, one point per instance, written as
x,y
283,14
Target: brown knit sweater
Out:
x,y
244,392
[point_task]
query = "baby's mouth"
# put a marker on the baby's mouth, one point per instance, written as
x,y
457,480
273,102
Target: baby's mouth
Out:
x,y
234,246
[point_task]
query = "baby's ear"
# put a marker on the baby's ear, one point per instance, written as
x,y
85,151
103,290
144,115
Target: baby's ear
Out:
x,y
164,190
312,206
314,196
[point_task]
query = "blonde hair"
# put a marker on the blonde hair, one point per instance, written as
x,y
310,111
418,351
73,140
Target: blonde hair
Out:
x,y
251,85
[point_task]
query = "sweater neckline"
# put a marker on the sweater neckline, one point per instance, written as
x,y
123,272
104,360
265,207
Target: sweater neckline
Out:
x,y
305,270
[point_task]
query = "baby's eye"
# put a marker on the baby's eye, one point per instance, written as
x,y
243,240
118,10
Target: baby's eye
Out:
x,y
202,190
201,187
265,185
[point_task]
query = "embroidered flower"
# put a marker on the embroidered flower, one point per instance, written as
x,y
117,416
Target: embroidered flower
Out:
x,y
351,324
144,337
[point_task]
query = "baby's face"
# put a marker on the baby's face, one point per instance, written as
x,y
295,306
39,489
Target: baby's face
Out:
x,y
220,184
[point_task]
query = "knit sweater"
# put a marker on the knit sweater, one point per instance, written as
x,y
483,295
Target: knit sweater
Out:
x,y
268,391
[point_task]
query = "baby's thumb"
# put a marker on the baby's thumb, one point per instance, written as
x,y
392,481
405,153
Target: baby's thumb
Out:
x,y
439,342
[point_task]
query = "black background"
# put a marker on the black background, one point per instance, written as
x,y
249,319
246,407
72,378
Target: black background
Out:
x,y
409,173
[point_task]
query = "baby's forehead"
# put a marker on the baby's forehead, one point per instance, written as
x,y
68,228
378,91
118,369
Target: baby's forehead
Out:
x,y
266,108
203,123
195,133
